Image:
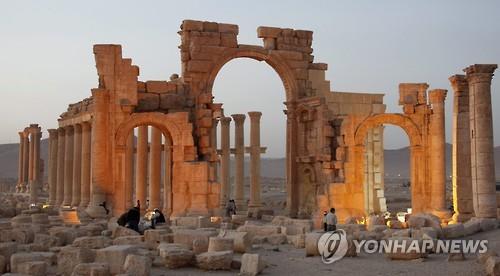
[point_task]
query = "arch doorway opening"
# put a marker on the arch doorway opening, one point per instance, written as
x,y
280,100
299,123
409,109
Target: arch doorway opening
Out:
x,y
246,85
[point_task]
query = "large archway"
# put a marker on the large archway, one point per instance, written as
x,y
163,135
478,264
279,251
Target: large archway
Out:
x,y
417,158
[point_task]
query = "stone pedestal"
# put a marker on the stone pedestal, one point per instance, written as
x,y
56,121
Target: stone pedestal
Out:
x,y
225,192
437,152
461,159
255,150
481,132
239,156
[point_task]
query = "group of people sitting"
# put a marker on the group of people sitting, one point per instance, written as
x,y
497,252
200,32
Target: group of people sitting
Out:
x,y
132,218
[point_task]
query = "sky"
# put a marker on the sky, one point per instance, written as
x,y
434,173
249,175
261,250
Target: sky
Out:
x,y
370,46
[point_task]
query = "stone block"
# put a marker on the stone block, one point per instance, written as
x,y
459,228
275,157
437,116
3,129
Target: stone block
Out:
x,y
3,264
239,219
131,240
268,32
169,101
187,236
486,224
175,255
92,269
251,264
22,236
153,237
242,241
200,246
276,239
96,242
19,258
405,252
123,231
228,28
259,230
159,87
220,244
115,256
137,265
492,266
471,227
453,231
70,256
311,244
217,260
199,65
46,241
192,25
148,101
65,235
7,249
298,241
36,268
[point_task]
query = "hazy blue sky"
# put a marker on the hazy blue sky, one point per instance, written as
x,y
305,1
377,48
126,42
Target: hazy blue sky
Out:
x,y
371,46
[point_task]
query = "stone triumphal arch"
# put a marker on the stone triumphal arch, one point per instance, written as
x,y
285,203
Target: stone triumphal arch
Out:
x,y
330,134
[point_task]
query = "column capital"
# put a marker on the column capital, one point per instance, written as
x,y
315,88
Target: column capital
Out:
x,y
254,115
225,120
52,131
480,72
85,126
238,118
69,129
21,134
437,96
459,84
61,131
77,128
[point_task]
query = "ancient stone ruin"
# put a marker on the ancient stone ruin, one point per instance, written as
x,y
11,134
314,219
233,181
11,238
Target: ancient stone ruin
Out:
x,y
155,142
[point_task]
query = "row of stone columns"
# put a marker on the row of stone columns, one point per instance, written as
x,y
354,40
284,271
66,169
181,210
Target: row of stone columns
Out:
x,y
30,176
473,158
69,165
239,151
149,154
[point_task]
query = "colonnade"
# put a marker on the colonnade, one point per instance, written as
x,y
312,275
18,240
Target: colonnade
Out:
x,y
150,189
30,174
239,150
69,165
474,186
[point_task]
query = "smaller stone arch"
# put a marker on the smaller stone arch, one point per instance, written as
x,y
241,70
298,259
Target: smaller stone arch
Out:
x,y
406,123
175,125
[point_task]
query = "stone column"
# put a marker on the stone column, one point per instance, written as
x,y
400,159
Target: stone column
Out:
x,y
254,159
461,159
292,189
77,165
167,181
20,164
100,151
31,158
68,166
239,154
142,166
155,168
215,122
26,149
481,126
225,192
36,182
437,151
53,144
129,170
85,179
61,146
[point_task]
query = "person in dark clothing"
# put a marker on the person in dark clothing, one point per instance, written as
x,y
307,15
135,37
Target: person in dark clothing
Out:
x,y
122,220
324,221
133,218
158,217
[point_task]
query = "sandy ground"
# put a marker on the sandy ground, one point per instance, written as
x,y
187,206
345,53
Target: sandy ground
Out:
x,y
292,261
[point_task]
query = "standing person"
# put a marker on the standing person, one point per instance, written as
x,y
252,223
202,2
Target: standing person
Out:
x,y
324,221
233,207
228,209
331,220
133,218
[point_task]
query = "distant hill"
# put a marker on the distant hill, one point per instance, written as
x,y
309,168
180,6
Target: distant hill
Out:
x,y
396,162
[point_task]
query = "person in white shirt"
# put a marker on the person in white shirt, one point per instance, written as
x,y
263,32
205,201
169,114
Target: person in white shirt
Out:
x,y
331,220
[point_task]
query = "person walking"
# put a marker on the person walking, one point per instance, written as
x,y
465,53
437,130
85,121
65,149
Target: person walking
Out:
x,y
331,220
324,221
